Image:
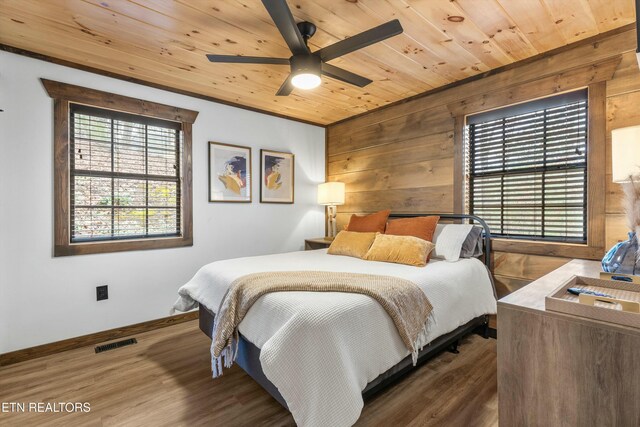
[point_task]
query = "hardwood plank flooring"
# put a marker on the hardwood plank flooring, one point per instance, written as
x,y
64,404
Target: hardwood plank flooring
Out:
x,y
165,379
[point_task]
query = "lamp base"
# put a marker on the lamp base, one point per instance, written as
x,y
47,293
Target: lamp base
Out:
x,y
331,222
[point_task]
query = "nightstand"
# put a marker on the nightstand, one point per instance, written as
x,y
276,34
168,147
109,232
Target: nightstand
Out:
x,y
317,243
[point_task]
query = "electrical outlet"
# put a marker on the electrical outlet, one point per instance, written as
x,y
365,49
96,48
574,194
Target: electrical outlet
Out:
x,y
102,292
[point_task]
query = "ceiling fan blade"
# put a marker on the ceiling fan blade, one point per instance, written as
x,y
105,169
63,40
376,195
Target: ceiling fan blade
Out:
x,y
286,87
364,39
236,59
344,75
282,17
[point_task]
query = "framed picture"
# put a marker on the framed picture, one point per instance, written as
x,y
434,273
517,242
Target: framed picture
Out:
x,y
276,177
229,173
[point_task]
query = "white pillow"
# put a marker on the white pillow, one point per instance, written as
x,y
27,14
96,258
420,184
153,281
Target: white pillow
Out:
x,y
448,239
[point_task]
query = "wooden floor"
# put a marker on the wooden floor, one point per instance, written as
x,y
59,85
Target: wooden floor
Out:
x,y
165,379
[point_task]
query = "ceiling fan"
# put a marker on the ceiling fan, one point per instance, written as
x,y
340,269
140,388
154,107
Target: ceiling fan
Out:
x,y
307,66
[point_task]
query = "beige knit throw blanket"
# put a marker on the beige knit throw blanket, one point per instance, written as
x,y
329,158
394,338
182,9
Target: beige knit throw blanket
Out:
x,y
403,300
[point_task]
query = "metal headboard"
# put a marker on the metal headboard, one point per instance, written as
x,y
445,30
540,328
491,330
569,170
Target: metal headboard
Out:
x,y
480,221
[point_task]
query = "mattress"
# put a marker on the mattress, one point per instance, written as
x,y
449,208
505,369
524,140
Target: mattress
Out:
x,y
322,349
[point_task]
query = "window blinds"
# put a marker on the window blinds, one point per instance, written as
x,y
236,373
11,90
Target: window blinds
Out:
x,y
527,169
124,176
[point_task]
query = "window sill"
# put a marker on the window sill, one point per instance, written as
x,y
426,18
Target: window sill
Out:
x,y
121,246
565,250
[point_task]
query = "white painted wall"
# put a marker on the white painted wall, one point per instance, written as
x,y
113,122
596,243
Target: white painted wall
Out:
x,y
45,299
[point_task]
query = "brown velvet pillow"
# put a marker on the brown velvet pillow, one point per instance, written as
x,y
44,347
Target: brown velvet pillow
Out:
x,y
351,243
422,227
407,250
376,222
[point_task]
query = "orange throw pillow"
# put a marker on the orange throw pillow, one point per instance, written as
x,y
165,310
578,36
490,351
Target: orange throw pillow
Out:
x,y
376,222
422,227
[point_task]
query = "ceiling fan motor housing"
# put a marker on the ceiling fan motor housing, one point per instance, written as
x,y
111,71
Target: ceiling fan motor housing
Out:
x,y
311,64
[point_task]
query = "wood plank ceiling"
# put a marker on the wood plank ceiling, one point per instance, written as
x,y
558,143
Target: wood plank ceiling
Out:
x,y
164,42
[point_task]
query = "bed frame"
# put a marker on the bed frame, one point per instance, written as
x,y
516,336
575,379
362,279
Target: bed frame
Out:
x,y
249,355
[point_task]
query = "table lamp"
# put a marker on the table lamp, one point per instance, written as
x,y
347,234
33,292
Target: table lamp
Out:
x,y
331,194
625,153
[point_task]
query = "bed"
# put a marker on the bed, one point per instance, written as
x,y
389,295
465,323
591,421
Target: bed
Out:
x,y
320,354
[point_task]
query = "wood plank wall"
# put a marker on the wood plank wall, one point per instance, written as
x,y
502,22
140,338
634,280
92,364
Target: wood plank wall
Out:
x,y
402,157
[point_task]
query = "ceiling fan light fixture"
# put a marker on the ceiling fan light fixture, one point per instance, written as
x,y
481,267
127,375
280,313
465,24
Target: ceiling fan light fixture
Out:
x,y
305,71
307,67
306,81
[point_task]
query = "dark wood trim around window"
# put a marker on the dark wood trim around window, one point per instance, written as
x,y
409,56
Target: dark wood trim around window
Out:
x,y
596,178
97,98
594,77
459,170
63,94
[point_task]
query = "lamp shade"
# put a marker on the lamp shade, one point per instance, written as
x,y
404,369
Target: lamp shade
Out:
x,y
331,193
625,153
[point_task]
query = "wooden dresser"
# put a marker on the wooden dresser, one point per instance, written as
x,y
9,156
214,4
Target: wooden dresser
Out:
x,y
563,370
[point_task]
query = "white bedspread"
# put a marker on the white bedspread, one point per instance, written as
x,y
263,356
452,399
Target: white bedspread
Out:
x,y
321,349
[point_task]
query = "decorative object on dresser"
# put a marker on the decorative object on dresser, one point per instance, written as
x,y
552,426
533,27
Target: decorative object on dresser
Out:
x,y
606,300
331,194
625,165
561,368
317,243
229,173
276,177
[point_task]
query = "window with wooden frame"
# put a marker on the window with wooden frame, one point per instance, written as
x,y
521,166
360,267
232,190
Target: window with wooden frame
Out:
x,y
567,196
122,172
527,169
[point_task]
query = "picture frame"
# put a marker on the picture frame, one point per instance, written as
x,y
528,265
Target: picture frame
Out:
x,y
229,173
277,177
